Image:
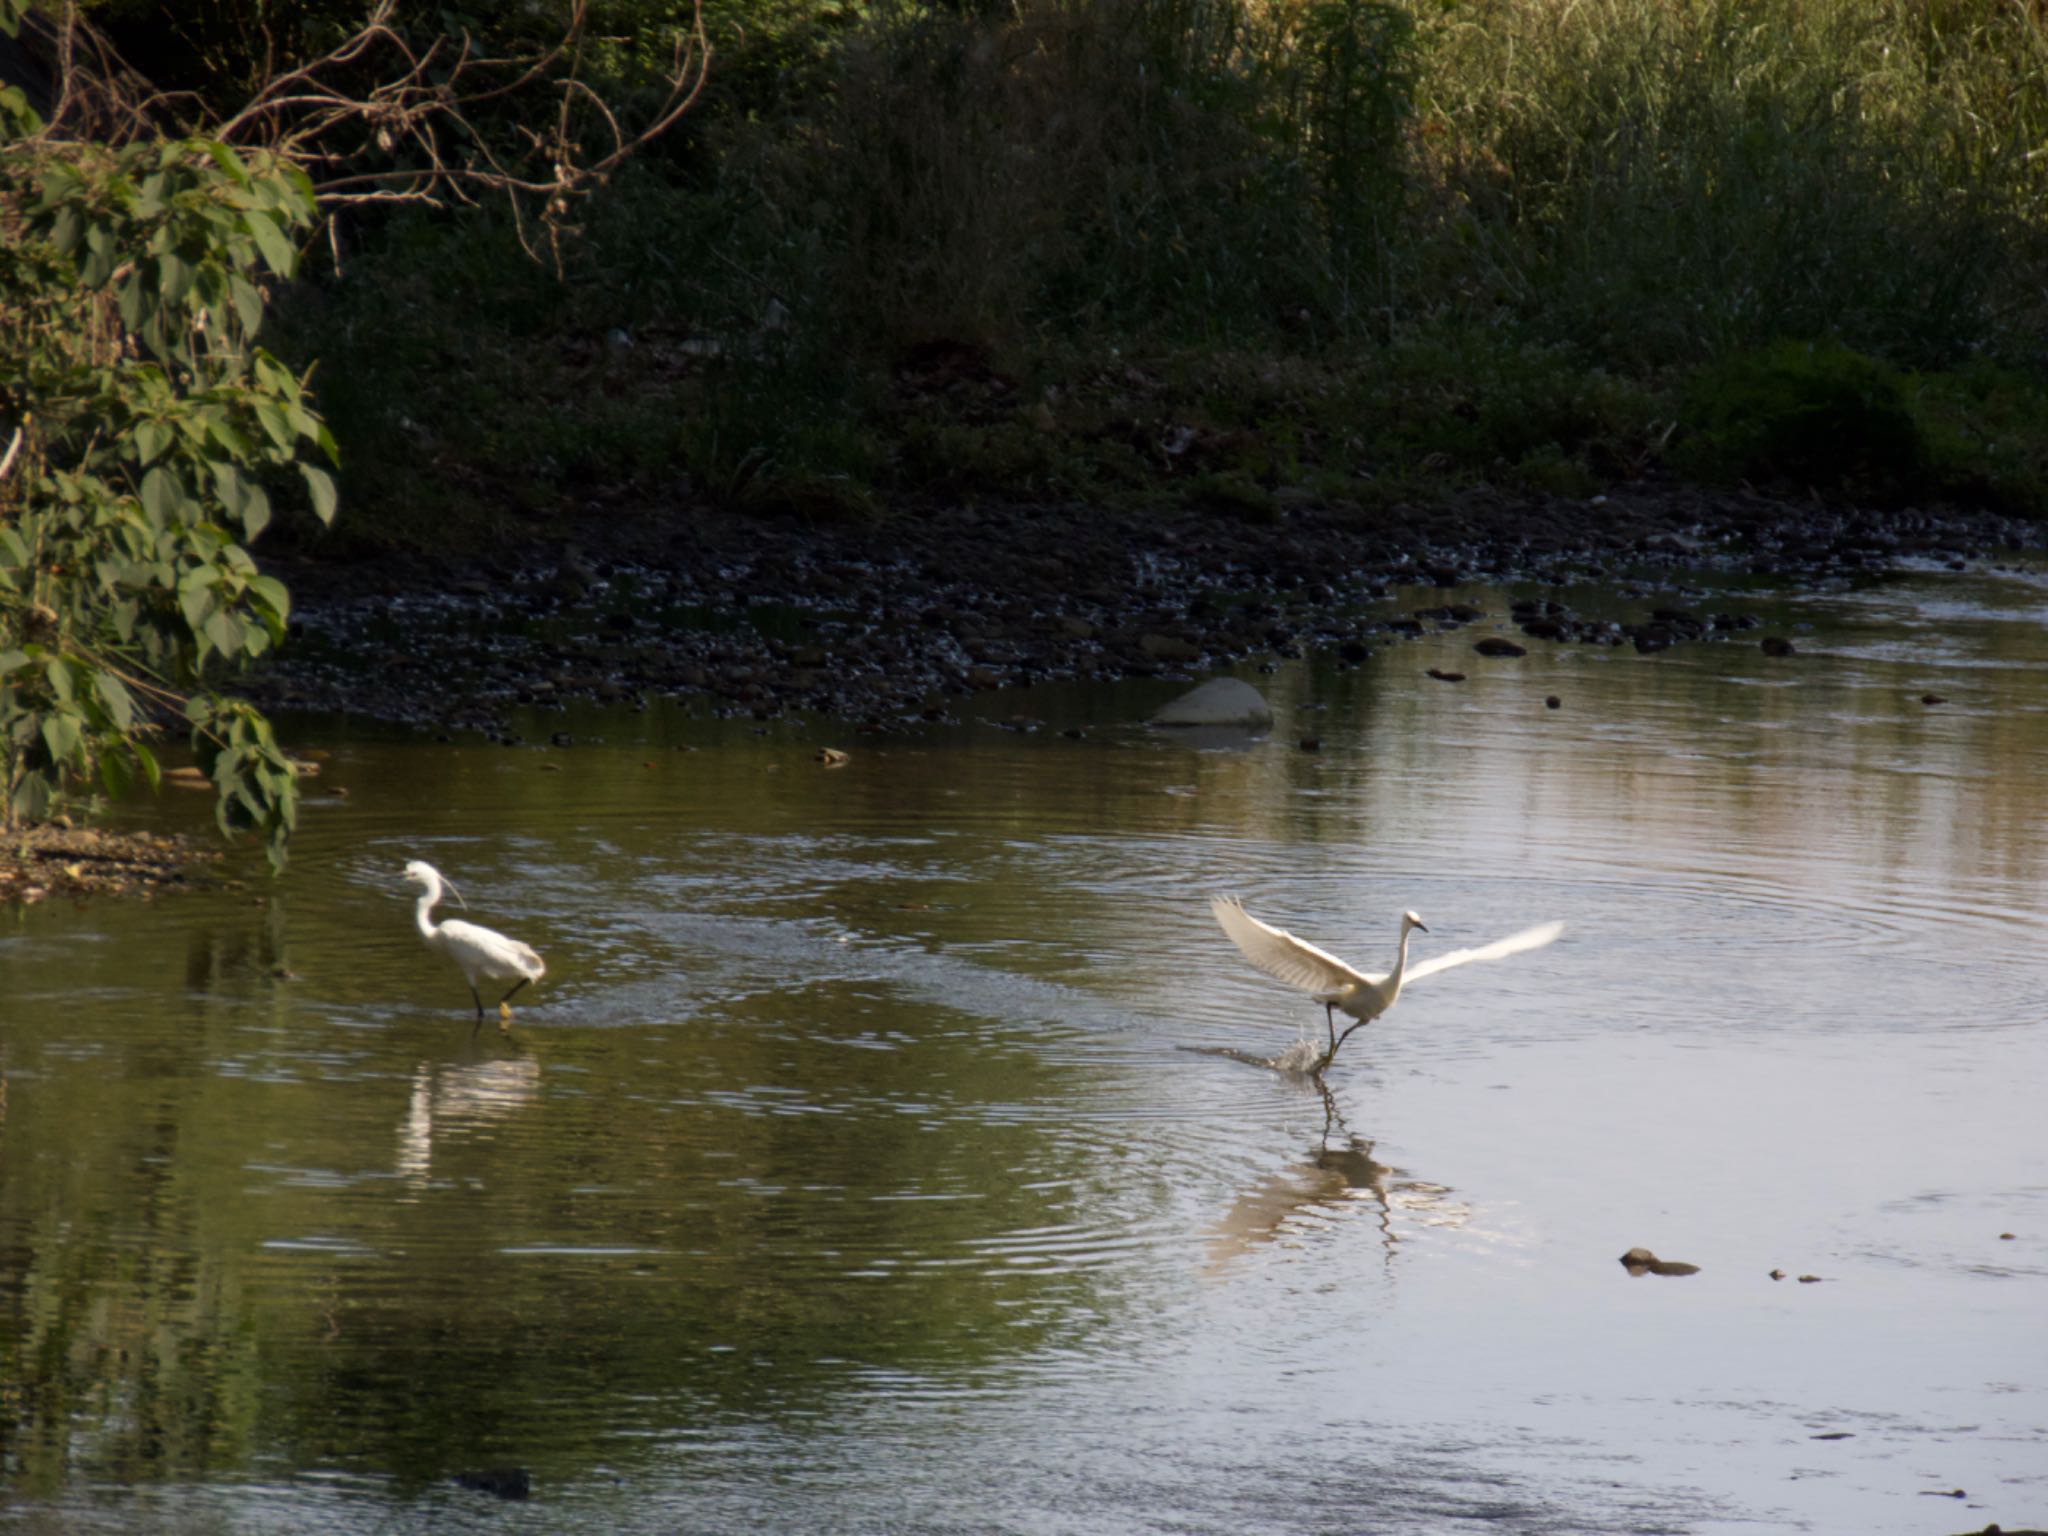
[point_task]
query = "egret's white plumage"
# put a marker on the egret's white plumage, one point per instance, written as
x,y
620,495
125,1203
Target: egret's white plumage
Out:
x,y
484,954
1334,984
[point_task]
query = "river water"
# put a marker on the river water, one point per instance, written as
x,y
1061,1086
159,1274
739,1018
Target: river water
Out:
x,y
868,1160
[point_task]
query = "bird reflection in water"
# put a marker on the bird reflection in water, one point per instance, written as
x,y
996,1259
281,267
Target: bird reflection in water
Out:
x,y
451,1098
1340,1175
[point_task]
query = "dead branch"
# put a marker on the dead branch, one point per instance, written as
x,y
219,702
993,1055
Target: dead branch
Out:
x,y
413,135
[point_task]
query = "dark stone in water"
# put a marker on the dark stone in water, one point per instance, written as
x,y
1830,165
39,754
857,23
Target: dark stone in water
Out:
x,y
1311,743
1640,1261
502,1482
1777,645
1446,677
1553,702
1494,645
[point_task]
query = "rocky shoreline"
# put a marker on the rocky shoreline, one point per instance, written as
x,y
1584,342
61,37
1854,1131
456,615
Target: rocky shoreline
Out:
x,y
878,627
57,861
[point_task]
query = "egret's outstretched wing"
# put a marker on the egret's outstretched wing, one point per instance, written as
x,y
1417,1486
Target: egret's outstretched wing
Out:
x,y
1499,949
1279,953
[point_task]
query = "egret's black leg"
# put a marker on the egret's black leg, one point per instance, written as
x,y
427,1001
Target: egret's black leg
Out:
x,y
479,1009
508,996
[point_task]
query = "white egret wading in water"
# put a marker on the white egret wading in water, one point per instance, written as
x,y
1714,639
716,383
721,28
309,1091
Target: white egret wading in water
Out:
x,y
1336,985
483,953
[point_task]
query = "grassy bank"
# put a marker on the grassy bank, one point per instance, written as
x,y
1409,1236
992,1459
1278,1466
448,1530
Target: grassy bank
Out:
x,y
1207,251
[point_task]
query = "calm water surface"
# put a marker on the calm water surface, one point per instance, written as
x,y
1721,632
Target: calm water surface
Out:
x,y
851,1170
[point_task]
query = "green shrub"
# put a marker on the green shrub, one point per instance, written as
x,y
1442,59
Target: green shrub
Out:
x,y
144,434
1809,415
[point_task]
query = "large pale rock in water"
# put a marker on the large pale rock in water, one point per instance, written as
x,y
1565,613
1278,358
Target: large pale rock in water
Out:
x,y
1219,701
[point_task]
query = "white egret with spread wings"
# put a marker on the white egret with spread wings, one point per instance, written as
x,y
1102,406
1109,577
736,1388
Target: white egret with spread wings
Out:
x,y
1361,994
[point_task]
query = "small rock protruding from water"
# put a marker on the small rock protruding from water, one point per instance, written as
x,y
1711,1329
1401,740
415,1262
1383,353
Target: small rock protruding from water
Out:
x,y
1932,699
1777,645
1224,701
500,1482
1640,1261
1446,677
830,757
1311,743
1496,645
1552,701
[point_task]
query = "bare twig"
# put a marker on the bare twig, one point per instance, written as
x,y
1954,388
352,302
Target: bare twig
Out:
x,y
413,135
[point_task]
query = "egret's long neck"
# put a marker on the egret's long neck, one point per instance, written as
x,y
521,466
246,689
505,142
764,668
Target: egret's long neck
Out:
x,y
422,913
1400,961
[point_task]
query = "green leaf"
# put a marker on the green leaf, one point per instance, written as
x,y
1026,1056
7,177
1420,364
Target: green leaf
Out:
x,y
229,437
149,196
12,661
248,304
223,633
255,512
229,486
173,278
195,601
163,497
59,678
32,798
100,258
66,230
271,593
151,439
146,761
278,251
61,736
115,774
276,425
228,161
131,298
115,696
320,486
14,108
271,375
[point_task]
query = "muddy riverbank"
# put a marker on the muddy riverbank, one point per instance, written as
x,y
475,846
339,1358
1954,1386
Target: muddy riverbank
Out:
x,y
879,626
57,861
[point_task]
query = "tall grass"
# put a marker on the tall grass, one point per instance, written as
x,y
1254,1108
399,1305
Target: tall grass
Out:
x,y
1190,166
1572,200
1658,180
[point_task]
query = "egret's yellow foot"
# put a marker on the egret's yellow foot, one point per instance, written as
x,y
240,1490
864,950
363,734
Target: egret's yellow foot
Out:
x,y
504,1015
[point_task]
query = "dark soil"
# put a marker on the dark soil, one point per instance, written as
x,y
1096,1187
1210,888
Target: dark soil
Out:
x,y
878,625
